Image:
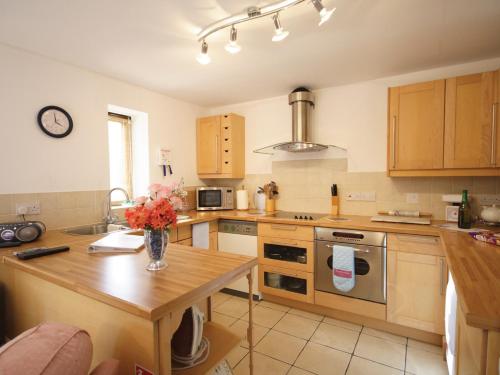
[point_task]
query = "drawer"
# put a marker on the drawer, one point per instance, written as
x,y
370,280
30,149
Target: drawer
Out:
x,y
409,243
286,231
187,242
294,285
286,253
184,232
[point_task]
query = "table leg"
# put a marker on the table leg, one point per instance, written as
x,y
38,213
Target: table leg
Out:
x,y
250,320
209,309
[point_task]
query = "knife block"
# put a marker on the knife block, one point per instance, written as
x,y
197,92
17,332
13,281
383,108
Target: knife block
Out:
x,y
335,206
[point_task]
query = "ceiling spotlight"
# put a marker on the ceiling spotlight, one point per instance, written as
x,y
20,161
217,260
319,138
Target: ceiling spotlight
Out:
x,y
233,47
279,33
324,13
203,57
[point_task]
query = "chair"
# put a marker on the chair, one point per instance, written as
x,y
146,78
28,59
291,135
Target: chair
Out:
x,y
52,349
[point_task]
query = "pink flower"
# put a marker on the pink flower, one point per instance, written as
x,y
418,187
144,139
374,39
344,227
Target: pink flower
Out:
x,y
154,188
165,192
140,200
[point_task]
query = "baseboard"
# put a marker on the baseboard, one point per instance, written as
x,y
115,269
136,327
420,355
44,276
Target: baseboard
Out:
x,y
241,294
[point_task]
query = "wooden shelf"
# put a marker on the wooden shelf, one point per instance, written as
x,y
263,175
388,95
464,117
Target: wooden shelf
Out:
x,y
222,341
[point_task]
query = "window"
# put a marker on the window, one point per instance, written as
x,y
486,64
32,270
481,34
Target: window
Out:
x,y
120,155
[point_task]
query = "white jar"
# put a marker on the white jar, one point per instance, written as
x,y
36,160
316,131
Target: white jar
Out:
x,y
491,214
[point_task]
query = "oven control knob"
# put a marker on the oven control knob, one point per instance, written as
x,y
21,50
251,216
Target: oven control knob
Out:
x,y
296,217
311,218
300,217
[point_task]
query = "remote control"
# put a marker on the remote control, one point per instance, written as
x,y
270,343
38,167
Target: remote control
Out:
x,y
40,252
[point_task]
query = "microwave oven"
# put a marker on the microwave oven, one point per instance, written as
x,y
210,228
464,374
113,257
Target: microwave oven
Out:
x,y
214,198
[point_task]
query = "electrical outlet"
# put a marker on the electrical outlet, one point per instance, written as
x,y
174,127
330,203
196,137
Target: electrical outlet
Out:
x,y
411,198
32,208
366,196
487,199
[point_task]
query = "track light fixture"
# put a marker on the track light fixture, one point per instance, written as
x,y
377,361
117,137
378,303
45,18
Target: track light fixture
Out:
x,y
324,13
203,57
250,14
233,46
279,33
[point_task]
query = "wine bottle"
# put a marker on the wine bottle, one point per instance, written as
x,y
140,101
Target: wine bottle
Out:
x,y
464,212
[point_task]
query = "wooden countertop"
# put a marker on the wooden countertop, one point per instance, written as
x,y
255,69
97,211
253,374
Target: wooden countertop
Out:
x,y
122,281
475,266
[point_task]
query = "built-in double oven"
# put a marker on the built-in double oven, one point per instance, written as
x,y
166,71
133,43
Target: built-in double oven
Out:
x,y
370,251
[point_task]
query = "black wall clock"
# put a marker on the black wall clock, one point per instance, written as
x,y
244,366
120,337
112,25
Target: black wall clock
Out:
x,y
55,121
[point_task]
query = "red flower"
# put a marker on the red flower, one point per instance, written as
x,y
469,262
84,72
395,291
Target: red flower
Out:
x,y
157,214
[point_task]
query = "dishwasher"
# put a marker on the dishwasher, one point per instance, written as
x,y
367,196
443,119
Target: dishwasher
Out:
x,y
239,237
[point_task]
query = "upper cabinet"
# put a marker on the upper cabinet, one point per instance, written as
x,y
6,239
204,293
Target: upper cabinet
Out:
x,y
445,127
416,116
220,146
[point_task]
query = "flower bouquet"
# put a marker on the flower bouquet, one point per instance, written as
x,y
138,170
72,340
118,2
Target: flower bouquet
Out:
x,y
156,215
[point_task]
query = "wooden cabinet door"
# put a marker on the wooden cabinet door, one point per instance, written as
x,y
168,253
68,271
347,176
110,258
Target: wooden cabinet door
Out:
x,y
470,135
208,145
416,286
416,126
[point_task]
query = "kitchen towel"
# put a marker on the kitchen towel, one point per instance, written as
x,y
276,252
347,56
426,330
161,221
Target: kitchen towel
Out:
x,y
344,278
450,323
201,235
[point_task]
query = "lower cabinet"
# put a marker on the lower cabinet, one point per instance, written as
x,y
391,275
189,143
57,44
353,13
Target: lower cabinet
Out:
x,y
416,288
213,241
285,283
187,242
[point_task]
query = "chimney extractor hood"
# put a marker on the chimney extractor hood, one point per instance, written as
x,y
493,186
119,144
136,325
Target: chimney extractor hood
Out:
x,y
302,102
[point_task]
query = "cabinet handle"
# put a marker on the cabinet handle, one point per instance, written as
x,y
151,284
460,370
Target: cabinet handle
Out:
x,y
355,250
393,142
494,134
282,243
217,153
283,227
441,277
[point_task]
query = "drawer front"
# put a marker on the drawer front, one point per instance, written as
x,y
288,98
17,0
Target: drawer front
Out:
x,y
286,253
295,285
286,231
184,232
409,243
187,242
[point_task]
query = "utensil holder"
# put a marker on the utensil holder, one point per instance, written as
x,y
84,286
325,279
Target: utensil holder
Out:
x,y
335,206
270,205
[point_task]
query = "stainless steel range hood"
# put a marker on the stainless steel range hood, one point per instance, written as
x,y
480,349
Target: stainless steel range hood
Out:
x,y
302,102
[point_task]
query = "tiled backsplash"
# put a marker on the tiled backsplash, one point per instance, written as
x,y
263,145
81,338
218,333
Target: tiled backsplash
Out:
x,y
304,185
58,210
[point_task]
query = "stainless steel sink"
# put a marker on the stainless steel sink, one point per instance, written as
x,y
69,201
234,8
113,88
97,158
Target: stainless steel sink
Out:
x,y
92,229
183,217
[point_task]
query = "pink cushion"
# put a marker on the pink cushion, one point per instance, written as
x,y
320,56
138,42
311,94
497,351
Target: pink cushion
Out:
x,y
48,349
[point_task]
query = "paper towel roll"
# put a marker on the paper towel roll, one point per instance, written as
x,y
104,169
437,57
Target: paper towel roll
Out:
x,y
242,200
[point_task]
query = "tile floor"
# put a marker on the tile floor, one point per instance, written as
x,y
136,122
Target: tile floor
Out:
x,y
294,342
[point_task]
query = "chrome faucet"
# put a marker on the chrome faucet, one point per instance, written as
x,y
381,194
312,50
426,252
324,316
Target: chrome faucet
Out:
x,y
110,218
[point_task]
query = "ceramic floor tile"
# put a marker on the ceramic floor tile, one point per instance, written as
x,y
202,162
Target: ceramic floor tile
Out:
x,y
385,335
262,365
235,307
425,346
298,371
222,319
265,317
382,351
297,326
421,362
219,298
306,314
343,324
281,346
236,355
240,328
322,360
275,306
361,366
336,337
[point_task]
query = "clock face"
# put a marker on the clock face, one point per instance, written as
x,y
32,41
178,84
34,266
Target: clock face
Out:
x,y
55,121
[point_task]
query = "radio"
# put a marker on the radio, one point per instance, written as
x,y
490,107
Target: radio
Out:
x,y
15,234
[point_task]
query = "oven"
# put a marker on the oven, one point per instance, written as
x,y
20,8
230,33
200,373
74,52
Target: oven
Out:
x,y
214,198
370,251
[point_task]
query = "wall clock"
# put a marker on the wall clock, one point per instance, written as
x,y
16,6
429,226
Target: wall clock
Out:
x,y
55,121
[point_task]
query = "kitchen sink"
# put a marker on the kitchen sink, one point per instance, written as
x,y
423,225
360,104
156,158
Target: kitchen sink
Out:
x,y
92,229
183,217
336,218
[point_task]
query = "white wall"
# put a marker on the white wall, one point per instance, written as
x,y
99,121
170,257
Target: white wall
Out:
x,y
352,116
33,162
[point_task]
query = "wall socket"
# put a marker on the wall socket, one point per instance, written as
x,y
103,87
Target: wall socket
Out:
x,y
367,196
411,197
32,208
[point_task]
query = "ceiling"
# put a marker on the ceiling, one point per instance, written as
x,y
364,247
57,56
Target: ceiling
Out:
x,y
153,43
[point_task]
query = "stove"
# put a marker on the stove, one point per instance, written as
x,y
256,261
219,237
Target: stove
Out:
x,y
297,215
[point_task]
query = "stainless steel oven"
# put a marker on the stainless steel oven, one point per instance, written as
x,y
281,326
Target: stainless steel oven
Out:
x,y
370,251
214,198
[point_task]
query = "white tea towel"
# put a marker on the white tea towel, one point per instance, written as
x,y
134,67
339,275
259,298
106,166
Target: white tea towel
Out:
x,y
201,235
450,323
344,278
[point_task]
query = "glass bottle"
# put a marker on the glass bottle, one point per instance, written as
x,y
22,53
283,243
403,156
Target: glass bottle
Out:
x,y
464,212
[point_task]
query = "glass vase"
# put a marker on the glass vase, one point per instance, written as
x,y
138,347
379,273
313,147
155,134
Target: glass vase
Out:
x,y
156,241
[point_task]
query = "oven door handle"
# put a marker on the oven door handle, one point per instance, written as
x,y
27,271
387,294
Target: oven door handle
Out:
x,y
355,250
